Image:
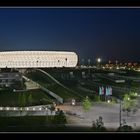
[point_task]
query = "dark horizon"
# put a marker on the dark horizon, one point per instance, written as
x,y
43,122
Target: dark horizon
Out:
x,y
109,33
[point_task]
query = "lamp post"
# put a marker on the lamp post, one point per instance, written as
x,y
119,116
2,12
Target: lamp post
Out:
x,y
120,113
83,62
89,62
98,61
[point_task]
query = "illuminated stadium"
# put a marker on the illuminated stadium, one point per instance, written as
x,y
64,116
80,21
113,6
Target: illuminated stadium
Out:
x,y
37,59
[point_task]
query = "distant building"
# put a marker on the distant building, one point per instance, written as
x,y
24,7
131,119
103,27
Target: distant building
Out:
x,y
37,59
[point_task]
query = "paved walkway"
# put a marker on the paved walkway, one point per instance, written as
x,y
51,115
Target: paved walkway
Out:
x,y
109,112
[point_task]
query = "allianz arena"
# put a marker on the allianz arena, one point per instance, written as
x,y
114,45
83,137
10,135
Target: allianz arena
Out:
x,y
37,59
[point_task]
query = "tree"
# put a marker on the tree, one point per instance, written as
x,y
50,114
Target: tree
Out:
x,y
128,103
30,99
23,100
124,127
60,118
97,98
20,99
98,125
86,104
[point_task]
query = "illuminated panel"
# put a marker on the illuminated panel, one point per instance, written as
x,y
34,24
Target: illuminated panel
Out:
x,y
37,59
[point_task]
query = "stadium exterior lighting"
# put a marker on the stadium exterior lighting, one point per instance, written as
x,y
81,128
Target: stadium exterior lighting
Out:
x,y
38,59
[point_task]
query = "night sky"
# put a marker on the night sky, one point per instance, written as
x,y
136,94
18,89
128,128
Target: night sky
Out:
x,y
109,33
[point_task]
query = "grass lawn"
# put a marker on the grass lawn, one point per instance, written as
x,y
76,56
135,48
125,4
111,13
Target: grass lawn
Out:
x,y
10,98
47,82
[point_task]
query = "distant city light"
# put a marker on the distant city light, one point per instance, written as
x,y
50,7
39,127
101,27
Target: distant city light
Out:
x,y
99,60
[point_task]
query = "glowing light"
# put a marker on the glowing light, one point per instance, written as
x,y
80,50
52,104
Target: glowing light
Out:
x,y
27,108
1,108
99,60
33,108
14,59
73,101
14,108
136,94
7,108
128,98
40,108
108,101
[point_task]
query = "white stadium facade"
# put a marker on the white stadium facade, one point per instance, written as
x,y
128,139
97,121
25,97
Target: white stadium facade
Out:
x,y
37,59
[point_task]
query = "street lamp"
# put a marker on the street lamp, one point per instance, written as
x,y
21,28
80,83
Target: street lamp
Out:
x,y
89,62
98,61
108,101
83,62
120,113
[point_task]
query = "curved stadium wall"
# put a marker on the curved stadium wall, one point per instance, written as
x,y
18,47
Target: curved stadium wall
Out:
x,y
37,59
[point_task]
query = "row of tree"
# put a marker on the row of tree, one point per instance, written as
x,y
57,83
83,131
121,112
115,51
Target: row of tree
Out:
x,y
25,99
